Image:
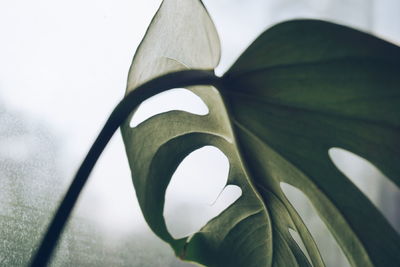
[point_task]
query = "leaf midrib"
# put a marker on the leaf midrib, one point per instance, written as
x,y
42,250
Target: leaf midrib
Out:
x,y
316,111
352,59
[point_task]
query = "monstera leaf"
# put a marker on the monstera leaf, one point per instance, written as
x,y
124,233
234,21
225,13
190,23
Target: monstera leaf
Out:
x,y
300,89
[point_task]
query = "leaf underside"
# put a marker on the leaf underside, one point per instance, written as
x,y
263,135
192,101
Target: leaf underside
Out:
x,y
300,89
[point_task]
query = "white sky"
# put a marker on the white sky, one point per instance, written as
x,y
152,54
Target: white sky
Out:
x,y
65,63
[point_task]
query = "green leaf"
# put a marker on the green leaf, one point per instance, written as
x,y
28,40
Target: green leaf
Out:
x,y
180,36
183,36
304,87
301,88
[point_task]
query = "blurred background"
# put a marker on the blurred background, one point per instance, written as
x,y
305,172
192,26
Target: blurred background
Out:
x,y
63,67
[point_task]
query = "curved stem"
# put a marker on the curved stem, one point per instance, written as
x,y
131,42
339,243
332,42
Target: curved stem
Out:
x,y
117,117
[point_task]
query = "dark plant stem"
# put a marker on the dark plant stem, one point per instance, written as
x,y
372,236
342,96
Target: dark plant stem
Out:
x,y
117,117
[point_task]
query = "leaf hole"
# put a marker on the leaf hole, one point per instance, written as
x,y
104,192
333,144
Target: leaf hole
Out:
x,y
173,99
327,245
382,192
300,243
198,191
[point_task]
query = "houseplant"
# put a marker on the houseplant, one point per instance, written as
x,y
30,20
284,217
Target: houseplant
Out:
x,y
300,89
